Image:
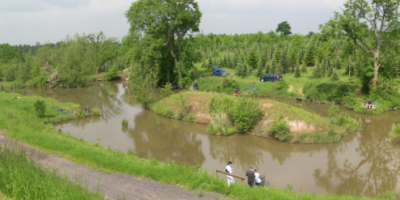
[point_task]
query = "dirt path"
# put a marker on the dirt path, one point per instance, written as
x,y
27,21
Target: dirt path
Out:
x,y
112,185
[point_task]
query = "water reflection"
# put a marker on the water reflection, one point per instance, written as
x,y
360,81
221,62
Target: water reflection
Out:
x,y
156,136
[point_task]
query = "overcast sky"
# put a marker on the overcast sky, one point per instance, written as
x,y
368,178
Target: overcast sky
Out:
x,y
31,21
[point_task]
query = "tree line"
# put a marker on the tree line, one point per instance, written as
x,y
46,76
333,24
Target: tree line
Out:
x,y
163,44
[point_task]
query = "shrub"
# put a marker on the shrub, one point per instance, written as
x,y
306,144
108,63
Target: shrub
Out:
x,y
40,108
228,83
124,122
111,74
95,112
281,85
297,73
189,118
335,76
327,91
246,114
210,129
341,119
167,90
280,129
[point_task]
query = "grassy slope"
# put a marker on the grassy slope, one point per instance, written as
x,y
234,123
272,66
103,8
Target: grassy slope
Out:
x,y
22,124
197,103
17,172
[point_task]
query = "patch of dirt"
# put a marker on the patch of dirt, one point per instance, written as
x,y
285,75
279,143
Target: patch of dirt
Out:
x,y
202,118
301,91
290,88
111,185
101,74
299,126
267,105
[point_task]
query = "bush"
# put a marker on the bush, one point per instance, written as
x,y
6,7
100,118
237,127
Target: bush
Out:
x,y
246,114
280,129
341,119
40,108
124,122
111,74
95,112
327,91
228,83
281,85
167,90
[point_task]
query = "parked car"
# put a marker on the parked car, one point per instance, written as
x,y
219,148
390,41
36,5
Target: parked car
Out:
x,y
271,77
219,72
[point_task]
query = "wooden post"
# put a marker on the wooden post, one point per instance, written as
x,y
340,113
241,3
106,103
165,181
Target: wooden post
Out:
x,y
222,172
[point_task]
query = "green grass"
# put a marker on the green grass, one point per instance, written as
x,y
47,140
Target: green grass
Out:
x,y
22,178
25,126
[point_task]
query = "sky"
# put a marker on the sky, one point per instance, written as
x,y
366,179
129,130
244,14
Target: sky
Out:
x,y
44,21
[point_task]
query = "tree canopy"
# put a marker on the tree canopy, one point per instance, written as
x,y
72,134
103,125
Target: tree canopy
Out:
x,y
370,25
159,25
284,27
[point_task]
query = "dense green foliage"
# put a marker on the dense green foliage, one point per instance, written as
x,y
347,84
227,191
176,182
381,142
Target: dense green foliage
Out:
x,y
66,64
246,114
280,129
242,113
22,178
341,119
111,74
124,122
284,28
40,108
167,52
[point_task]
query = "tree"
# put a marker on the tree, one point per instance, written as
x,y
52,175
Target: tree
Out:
x,y
101,49
252,60
260,67
370,25
297,73
284,27
165,23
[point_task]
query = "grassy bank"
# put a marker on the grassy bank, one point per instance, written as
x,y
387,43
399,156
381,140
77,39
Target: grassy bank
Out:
x,y
25,126
219,111
24,179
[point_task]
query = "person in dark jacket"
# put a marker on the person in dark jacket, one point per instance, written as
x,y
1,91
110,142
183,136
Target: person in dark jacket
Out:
x,y
369,104
250,176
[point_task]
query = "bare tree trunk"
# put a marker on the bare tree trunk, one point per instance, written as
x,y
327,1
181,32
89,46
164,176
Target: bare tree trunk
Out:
x,y
376,69
179,73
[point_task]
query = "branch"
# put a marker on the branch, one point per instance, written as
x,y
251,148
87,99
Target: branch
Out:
x,y
361,47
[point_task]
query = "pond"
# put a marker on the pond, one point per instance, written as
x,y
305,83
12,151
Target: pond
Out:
x,y
362,163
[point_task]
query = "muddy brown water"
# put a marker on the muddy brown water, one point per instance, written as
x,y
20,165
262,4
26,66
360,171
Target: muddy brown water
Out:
x,y
362,164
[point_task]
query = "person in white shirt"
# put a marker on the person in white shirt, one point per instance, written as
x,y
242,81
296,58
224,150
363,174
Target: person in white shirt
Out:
x,y
229,170
257,178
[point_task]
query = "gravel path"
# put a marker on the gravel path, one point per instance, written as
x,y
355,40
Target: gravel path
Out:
x,y
111,185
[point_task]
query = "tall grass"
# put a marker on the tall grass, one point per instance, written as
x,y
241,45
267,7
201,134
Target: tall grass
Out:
x,y
24,125
21,178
